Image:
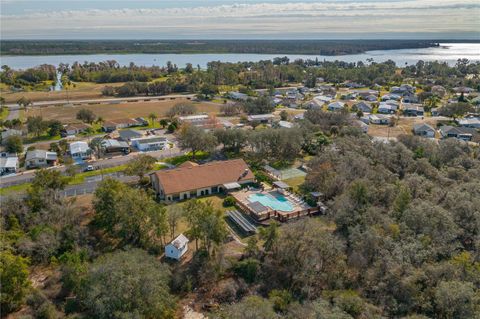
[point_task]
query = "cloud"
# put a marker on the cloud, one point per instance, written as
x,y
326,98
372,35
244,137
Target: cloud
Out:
x,y
254,18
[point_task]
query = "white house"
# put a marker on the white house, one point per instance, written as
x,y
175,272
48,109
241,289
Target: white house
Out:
x,y
40,158
80,150
473,122
385,108
152,143
177,248
8,165
262,118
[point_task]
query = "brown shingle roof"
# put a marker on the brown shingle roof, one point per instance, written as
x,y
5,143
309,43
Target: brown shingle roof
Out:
x,y
184,179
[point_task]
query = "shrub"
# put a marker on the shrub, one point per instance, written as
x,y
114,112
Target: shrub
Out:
x,y
229,201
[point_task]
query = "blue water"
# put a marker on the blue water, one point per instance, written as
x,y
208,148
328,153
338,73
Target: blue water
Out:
x,y
446,52
277,202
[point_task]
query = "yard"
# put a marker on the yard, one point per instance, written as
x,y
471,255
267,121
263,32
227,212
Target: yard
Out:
x,y
67,114
404,126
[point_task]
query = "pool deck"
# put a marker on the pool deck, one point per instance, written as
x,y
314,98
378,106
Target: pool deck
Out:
x,y
300,208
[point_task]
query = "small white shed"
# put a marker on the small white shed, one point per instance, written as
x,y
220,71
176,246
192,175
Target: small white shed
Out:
x,y
177,248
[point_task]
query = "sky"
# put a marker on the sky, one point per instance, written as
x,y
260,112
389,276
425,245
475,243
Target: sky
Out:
x,y
216,19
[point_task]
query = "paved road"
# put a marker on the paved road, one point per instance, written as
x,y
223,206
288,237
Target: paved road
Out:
x,y
13,114
103,163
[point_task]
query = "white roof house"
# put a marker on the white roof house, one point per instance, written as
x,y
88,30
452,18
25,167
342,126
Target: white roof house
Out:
x,y
79,149
473,122
387,108
150,143
8,165
177,248
260,117
285,124
40,158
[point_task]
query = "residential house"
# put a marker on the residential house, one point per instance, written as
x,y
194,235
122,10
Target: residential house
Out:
x,y
40,158
411,98
413,110
379,119
365,93
115,146
361,125
151,143
285,124
10,132
473,122
201,120
192,180
112,125
438,90
127,135
461,133
424,130
177,248
463,89
80,150
262,118
336,106
435,111
385,108
404,89
394,97
238,96
74,129
8,165
371,98
364,107
299,117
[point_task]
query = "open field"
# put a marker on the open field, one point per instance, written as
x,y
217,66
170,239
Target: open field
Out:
x,y
404,126
67,114
82,90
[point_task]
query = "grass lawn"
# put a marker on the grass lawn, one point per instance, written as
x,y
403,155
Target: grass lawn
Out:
x,y
4,113
295,182
187,157
80,178
41,138
14,189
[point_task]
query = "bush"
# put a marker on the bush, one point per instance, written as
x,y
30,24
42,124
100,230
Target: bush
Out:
x,y
229,201
247,269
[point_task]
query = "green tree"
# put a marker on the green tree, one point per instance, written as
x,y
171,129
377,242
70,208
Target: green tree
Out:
x,y
205,223
127,284
54,128
196,139
163,123
24,102
140,165
270,236
14,281
86,115
284,115
128,215
152,117
14,144
36,125
49,179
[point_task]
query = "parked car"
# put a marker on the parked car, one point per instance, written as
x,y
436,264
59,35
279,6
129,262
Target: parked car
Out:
x,y
88,168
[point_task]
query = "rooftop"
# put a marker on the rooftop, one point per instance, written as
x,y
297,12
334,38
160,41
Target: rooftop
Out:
x,y
186,178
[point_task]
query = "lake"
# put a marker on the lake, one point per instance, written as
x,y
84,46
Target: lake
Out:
x,y
447,52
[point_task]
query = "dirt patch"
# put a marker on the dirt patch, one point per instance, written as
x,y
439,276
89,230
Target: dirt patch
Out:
x,y
404,126
82,91
67,114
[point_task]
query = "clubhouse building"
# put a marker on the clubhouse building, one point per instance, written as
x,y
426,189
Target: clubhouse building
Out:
x,y
192,180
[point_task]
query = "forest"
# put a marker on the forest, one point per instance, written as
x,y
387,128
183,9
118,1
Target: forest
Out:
x,y
156,80
400,239
319,47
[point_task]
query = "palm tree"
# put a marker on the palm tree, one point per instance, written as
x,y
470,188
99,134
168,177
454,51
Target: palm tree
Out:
x,y
431,102
152,117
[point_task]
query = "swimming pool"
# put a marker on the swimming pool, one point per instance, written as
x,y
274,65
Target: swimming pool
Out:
x,y
275,201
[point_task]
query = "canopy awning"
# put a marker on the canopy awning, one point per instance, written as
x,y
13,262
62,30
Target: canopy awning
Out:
x,y
281,185
230,186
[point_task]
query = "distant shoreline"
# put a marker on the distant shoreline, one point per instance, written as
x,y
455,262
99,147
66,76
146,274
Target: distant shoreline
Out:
x,y
306,47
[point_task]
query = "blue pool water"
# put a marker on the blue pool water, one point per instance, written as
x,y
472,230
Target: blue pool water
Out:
x,y
274,201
